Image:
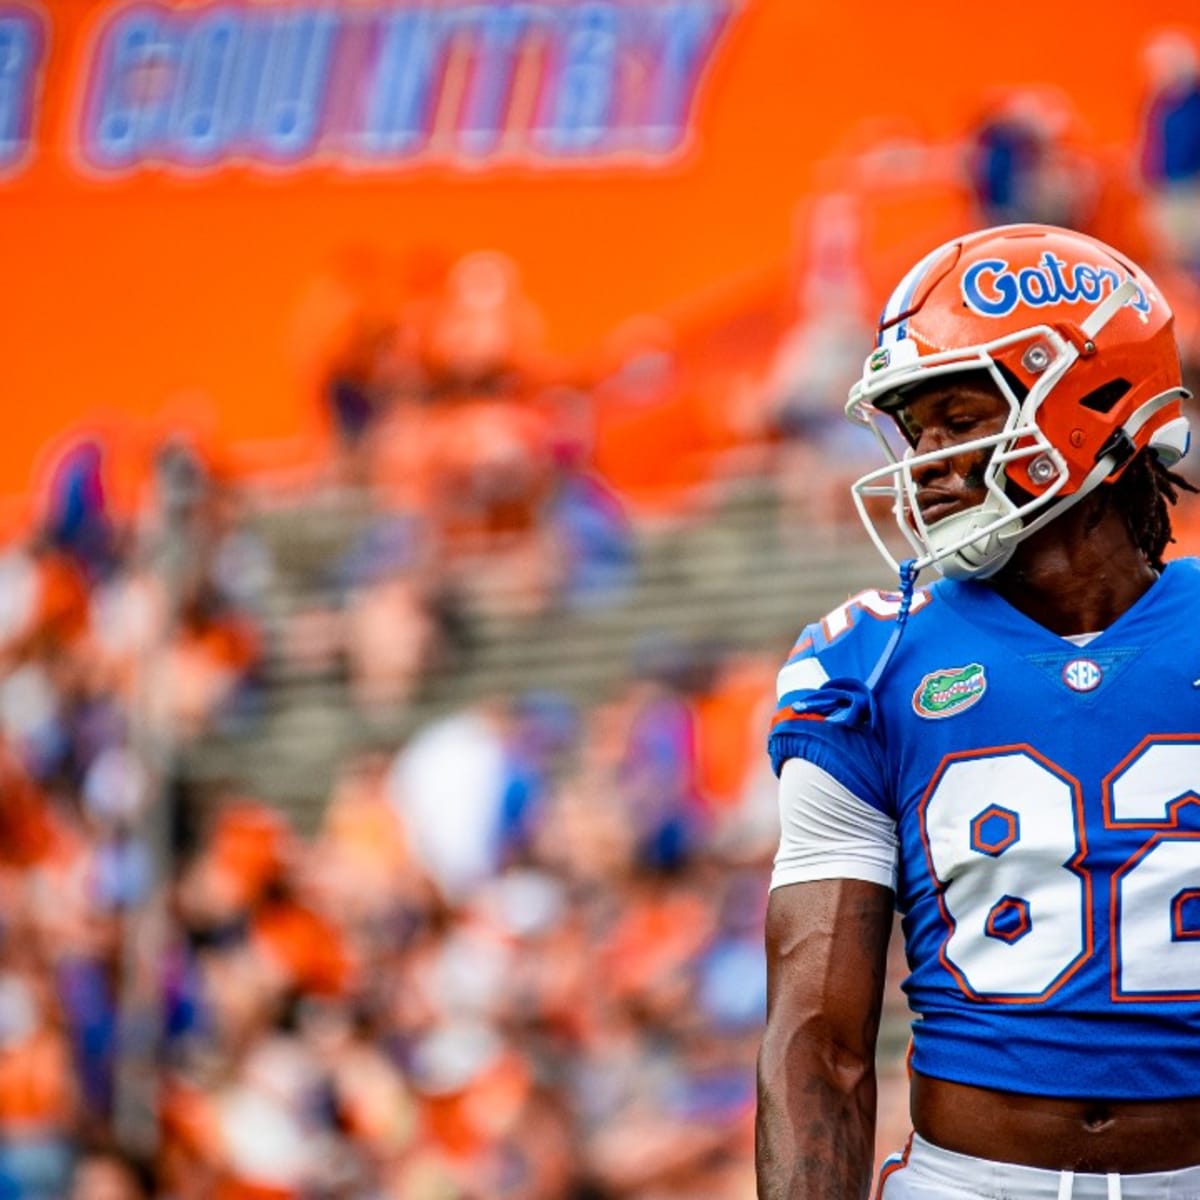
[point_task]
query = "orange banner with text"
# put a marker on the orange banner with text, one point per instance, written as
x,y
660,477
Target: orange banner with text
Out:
x,y
190,190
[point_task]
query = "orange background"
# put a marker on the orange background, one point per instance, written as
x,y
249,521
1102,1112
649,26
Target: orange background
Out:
x,y
165,299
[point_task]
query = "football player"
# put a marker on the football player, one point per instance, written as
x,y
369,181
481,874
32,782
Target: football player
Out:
x,y
1010,757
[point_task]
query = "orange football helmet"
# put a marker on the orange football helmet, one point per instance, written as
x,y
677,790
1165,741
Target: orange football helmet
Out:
x,y
1080,343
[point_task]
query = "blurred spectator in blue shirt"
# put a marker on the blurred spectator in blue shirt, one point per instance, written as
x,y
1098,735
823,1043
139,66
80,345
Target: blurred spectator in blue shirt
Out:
x,y
1170,153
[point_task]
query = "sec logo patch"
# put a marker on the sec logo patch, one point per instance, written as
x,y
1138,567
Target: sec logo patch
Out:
x,y
1082,675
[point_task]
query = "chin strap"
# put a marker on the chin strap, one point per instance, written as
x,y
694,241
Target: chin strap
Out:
x,y
908,581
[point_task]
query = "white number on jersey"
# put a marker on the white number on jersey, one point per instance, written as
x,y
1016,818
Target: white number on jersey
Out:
x,y
1005,838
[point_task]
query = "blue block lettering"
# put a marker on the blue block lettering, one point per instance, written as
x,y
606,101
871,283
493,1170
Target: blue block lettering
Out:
x,y
582,96
21,49
685,34
403,97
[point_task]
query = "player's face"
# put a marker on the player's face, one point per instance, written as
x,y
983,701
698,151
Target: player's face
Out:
x,y
943,414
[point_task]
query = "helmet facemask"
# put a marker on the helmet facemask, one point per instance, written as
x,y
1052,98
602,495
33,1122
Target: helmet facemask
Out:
x,y
975,542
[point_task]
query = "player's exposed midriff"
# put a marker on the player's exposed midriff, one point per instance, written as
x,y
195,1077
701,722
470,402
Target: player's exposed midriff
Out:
x,y
1091,1135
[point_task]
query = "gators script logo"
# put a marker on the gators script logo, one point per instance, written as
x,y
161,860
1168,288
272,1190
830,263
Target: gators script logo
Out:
x,y
993,288
949,691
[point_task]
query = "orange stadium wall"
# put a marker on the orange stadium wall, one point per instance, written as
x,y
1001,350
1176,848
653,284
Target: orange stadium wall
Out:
x,y
175,233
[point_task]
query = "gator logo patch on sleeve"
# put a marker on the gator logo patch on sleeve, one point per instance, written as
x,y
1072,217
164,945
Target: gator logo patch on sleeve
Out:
x,y
948,691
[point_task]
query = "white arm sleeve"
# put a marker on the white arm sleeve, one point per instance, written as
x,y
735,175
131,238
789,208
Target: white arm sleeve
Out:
x,y
827,832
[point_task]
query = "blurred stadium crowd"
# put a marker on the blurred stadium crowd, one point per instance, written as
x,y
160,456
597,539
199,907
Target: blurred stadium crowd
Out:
x,y
518,955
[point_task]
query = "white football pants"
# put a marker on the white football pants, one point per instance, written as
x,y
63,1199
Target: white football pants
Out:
x,y
927,1172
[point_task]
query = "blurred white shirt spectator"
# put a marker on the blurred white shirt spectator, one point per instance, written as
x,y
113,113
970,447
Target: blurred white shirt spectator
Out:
x,y
448,786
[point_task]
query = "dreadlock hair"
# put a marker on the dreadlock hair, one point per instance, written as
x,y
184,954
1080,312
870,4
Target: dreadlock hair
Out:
x,y
1144,494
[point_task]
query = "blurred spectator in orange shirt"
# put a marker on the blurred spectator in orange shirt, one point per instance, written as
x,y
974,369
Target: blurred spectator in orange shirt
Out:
x,y
729,723
56,615
27,831
38,1096
482,331
211,657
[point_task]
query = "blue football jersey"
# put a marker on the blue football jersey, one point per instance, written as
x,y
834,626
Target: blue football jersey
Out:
x,y
1047,802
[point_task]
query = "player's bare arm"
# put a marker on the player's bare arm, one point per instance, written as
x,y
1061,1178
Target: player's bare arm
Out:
x,y
826,960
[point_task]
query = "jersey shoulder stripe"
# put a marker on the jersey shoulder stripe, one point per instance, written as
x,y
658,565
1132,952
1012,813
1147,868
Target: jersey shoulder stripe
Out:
x,y
823,703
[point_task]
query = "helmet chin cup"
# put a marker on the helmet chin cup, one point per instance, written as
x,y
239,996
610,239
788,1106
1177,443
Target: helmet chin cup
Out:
x,y
970,544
